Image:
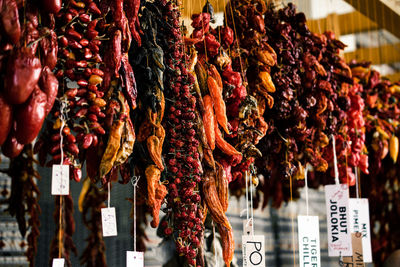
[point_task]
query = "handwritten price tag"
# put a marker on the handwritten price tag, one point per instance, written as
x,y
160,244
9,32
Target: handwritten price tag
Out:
x,y
58,262
309,247
109,221
337,213
356,258
359,222
60,180
253,250
134,259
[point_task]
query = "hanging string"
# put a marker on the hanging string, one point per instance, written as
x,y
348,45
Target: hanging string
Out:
x,y
134,182
251,206
247,196
335,168
62,118
306,185
356,173
292,220
108,194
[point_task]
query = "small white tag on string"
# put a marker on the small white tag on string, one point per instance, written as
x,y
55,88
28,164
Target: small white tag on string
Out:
x,y
248,224
60,180
337,214
253,247
309,244
134,259
59,262
108,218
359,223
60,173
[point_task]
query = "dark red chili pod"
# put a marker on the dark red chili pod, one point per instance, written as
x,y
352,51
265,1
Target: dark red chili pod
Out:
x,y
23,72
74,44
92,117
81,92
71,93
93,8
49,84
6,119
83,83
85,18
11,147
77,174
73,34
95,140
30,117
81,113
10,20
92,24
97,72
82,102
71,138
84,42
91,34
73,149
64,41
87,141
96,127
81,63
55,137
87,53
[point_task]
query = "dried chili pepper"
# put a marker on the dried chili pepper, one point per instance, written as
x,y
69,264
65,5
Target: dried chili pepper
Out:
x,y
208,121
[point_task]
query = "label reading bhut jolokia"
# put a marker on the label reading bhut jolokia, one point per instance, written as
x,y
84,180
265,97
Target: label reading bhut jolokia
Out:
x,y
337,213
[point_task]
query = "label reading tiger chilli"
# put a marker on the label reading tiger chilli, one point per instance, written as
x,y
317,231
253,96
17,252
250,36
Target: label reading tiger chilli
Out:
x,y
134,259
359,222
59,262
309,247
253,247
337,214
109,221
60,180
356,259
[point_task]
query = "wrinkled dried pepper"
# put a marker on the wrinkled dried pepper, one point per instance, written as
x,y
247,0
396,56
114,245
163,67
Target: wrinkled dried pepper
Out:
x,y
208,121
219,104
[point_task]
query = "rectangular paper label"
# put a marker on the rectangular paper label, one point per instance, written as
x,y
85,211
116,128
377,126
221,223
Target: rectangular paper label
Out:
x,y
60,180
253,250
309,247
337,214
356,260
58,262
359,222
134,259
109,221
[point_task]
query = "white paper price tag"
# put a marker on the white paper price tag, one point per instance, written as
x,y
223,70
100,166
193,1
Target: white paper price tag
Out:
x,y
253,250
359,222
309,247
338,223
109,221
134,259
60,180
248,227
58,262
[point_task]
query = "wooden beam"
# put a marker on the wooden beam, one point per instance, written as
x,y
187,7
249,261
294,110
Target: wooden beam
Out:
x,y
385,54
395,77
349,23
384,12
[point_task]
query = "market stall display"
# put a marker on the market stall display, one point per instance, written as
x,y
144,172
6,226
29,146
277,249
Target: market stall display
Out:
x,y
123,90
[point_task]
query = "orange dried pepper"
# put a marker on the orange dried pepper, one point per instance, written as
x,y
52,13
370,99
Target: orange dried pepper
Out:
x,y
153,146
228,244
208,121
266,81
161,192
219,104
113,145
212,201
145,130
215,74
222,186
222,144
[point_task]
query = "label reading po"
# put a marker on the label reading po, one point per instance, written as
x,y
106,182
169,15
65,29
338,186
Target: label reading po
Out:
x,y
309,246
338,224
109,221
359,222
59,262
356,260
253,250
60,180
134,259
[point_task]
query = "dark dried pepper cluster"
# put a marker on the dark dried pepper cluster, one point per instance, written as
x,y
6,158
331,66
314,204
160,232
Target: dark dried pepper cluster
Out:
x,y
24,198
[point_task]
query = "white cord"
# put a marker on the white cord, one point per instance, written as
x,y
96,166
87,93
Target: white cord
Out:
x,y
251,206
109,193
306,185
134,182
356,173
335,160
